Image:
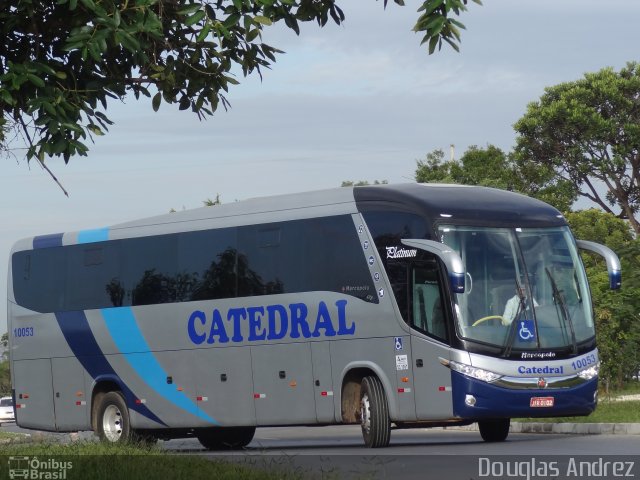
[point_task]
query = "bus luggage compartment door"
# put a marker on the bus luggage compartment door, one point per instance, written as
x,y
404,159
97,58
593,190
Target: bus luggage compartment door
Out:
x,y
69,395
34,395
283,384
324,394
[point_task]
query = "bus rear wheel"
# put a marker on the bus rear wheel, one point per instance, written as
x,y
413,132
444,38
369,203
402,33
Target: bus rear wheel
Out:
x,y
113,423
374,413
226,438
494,430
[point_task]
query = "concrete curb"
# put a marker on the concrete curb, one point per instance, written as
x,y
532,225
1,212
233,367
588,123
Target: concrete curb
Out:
x,y
578,428
568,428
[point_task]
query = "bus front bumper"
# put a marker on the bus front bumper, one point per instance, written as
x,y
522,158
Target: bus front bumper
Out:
x,y
475,399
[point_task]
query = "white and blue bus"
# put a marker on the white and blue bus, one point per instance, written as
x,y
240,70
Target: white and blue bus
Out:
x,y
393,306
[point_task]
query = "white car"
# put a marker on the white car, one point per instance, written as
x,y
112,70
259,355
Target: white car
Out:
x,y
6,410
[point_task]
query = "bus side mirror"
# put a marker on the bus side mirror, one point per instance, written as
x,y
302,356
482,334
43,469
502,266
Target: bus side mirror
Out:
x,y
613,262
449,257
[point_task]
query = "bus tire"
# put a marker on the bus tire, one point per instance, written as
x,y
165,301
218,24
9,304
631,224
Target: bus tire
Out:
x,y
374,413
113,423
494,430
226,438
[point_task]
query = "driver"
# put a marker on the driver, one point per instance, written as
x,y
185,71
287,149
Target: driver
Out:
x,y
513,305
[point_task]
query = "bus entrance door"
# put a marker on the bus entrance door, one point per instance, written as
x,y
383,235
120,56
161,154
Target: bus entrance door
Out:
x,y
432,380
429,343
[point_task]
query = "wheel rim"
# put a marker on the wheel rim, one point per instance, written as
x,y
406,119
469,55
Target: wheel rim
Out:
x,y
112,423
365,413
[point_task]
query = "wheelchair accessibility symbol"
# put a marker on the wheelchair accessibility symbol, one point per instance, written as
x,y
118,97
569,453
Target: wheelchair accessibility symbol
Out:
x,y
526,332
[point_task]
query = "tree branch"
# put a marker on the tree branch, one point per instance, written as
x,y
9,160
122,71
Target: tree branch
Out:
x,y
41,162
594,196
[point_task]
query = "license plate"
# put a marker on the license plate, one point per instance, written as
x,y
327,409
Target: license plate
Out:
x,y
541,402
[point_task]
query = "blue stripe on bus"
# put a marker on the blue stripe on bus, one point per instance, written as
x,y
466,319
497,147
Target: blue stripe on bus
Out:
x,y
46,241
93,235
78,334
122,326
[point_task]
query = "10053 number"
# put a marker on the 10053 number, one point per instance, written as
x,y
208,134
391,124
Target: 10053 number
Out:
x,y
584,362
23,332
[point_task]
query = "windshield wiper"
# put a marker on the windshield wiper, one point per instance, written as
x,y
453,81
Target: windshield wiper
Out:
x,y
512,329
558,299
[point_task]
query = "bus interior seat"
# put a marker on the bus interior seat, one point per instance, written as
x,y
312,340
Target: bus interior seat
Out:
x,y
500,295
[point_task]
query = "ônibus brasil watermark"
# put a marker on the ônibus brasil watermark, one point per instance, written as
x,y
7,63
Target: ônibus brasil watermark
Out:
x,y
33,468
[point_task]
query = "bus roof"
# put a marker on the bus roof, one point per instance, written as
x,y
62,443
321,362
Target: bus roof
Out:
x,y
438,202
461,204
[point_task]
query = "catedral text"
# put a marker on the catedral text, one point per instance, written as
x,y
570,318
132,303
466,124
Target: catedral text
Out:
x,y
270,322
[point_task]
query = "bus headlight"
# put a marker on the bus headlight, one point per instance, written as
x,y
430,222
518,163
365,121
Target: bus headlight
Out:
x,y
590,372
473,372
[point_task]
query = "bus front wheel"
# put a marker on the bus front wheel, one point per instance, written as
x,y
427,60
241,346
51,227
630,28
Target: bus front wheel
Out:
x,y
374,413
113,424
494,430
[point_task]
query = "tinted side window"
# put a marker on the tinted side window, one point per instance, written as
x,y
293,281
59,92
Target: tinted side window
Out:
x,y
39,278
148,269
91,272
398,276
320,254
389,227
427,300
207,265
336,260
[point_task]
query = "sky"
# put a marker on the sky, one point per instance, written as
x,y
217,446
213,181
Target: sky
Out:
x,y
359,101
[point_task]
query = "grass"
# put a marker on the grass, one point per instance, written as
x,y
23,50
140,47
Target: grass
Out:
x,y
629,388
607,411
10,436
104,461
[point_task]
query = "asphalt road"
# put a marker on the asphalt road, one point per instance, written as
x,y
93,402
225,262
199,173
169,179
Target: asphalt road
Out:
x,y
337,452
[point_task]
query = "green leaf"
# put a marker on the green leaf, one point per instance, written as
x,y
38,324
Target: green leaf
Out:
x,y
127,41
89,4
435,24
189,9
155,103
251,36
452,43
59,146
430,6
457,23
6,97
204,32
184,103
37,81
95,130
104,118
432,44
44,68
49,109
232,20
232,80
262,20
195,18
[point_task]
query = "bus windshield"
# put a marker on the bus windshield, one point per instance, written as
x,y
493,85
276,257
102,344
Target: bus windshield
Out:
x,y
525,288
